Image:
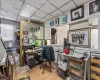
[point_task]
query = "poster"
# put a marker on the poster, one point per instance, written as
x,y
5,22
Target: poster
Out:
x,y
77,13
79,37
56,21
94,7
64,19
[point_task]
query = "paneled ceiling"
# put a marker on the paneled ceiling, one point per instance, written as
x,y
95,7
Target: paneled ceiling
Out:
x,y
36,10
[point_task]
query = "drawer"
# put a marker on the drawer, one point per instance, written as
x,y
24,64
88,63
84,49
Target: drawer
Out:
x,y
95,69
75,72
75,78
76,65
95,61
94,76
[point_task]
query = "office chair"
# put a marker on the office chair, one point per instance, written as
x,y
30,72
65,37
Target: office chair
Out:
x,y
44,61
50,57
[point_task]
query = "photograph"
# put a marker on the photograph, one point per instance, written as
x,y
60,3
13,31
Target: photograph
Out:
x,y
94,7
56,21
79,37
77,13
31,30
53,36
51,23
64,19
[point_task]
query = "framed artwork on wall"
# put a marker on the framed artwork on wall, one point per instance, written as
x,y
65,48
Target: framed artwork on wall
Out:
x,y
31,30
56,21
51,23
80,37
64,19
53,36
77,13
94,7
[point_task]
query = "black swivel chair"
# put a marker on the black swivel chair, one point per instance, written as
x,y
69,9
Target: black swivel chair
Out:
x,y
50,57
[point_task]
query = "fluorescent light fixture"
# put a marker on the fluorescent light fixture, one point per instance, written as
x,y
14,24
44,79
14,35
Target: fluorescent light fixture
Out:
x,y
27,10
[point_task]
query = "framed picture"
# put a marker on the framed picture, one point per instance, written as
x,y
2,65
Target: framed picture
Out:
x,y
80,37
94,7
64,19
52,23
56,21
31,30
77,13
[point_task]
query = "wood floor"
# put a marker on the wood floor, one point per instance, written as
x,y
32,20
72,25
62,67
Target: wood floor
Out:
x,y
36,74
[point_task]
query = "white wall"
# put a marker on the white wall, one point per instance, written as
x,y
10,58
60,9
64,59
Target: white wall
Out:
x,y
86,17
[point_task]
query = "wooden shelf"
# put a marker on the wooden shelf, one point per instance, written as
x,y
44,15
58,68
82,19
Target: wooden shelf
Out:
x,y
95,77
95,69
75,72
95,61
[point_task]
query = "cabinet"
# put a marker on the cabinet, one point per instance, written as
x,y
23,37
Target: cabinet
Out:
x,y
95,66
77,67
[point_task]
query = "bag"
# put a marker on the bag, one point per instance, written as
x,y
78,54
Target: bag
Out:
x,y
66,51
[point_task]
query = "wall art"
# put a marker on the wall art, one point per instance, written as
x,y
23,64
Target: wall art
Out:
x,y
80,37
77,13
64,19
94,7
51,23
56,21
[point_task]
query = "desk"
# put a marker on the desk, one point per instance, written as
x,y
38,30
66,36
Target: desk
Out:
x,y
31,54
33,51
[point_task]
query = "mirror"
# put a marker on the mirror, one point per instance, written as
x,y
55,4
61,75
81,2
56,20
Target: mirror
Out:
x,y
31,32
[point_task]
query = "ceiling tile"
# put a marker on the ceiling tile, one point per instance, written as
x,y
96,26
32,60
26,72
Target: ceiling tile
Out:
x,y
9,18
80,2
56,13
40,13
35,18
58,3
10,9
10,15
35,3
1,16
1,13
27,10
68,7
0,6
48,17
43,20
21,18
48,8
13,3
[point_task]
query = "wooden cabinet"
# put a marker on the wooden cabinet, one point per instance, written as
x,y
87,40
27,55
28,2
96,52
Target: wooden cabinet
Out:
x,y
95,66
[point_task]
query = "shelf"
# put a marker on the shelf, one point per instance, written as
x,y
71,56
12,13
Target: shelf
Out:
x,y
95,77
95,69
95,61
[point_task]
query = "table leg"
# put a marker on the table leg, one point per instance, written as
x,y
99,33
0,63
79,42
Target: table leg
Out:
x,y
3,68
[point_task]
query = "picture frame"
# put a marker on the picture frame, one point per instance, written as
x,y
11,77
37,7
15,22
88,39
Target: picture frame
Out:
x,y
31,30
94,7
77,13
56,21
80,37
51,23
64,19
